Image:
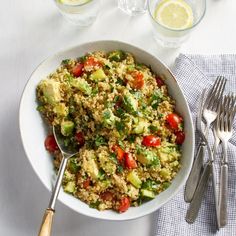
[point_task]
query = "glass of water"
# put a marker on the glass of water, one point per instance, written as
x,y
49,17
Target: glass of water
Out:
x,y
79,12
173,20
133,7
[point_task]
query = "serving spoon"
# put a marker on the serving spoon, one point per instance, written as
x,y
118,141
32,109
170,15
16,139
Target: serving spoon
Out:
x,y
45,229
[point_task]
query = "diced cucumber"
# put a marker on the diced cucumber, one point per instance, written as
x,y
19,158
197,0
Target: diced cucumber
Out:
x,y
147,193
130,103
108,117
98,75
67,127
70,187
68,176
141,126
134,179
147,157
82,85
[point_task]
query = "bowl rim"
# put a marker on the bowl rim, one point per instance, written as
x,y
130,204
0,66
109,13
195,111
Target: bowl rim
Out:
x,y
97,216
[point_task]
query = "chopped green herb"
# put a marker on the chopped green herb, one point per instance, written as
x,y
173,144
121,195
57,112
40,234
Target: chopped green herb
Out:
x,y
113,157
131,138
120,81
106,114
101,174
120,112
119,169
121,144
117,55
107,67
82,59
65,62
94,204
116,98
99,140
95,91
150,185
73,166
153,128
40,108
166,185
120,126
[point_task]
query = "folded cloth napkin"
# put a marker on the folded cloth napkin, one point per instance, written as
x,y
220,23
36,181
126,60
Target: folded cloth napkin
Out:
x,y
194,73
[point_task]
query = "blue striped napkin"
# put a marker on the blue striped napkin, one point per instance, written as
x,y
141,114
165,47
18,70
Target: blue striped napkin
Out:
x,y
194,73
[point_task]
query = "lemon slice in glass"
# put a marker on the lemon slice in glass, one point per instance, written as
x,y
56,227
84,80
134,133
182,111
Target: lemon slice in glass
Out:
x,y
73,2
174,14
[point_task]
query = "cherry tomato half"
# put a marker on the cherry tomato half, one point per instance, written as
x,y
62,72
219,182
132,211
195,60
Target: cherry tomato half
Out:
x,y
91,62
78,69
107,196
119,152
130,162
86,183
174,121
50,143
80,138
138,80
180,137
151,141
124,204
159,81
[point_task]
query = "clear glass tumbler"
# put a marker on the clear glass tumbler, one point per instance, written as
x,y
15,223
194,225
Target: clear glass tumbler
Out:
x,y
79,12
173,38
133,7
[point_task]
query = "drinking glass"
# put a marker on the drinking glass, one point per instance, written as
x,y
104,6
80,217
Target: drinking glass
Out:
x,y
80,12
133,7
173,38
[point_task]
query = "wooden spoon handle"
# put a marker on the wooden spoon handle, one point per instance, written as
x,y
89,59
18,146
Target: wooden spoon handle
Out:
x,y
45,229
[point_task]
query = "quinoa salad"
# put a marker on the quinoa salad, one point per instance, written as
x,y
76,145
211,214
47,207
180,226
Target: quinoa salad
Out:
x,y
119,116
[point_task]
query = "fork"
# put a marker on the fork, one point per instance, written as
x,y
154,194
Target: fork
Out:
x,y
212,102
210,113
224,131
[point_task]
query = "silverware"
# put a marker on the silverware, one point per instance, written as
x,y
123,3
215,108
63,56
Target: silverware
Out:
x,y
45,229
209,114
224,132
209,167
195,204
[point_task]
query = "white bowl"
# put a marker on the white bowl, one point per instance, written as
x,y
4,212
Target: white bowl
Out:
x,y
33,130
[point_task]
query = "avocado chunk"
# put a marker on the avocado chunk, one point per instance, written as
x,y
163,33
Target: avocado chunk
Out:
x,y
147,157
117,55
108,117
90,165
51,90
141,126
70,187
61,110
147,193
98,75
165,173
82,85
130,103
134,179
67,127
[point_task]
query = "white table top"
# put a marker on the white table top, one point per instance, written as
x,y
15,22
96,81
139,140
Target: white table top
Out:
x,y
33,30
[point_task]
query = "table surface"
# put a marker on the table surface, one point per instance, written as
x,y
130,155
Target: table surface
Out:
x,y
29,33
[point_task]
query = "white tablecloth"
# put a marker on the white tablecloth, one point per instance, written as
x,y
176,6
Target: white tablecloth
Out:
x,y
32,30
